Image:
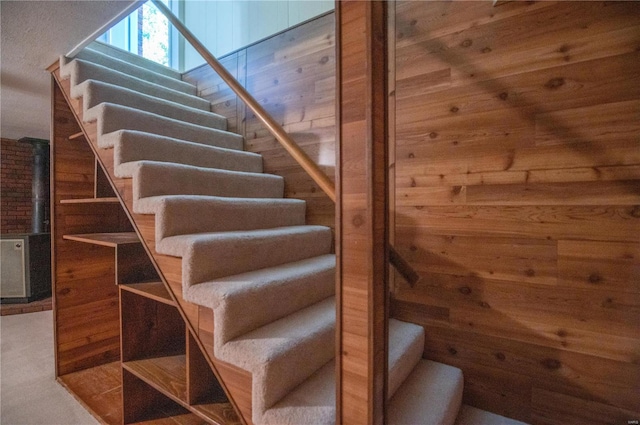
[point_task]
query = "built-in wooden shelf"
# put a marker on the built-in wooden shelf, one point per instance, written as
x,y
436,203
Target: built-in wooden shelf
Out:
x,y
105,239
110,200
167,374
153,290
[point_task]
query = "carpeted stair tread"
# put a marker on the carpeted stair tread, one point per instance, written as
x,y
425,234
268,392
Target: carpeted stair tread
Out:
x,y
311,403
144,73
138,60
406,344
300,283
314,400
79,71
284,353
96,92
472,416
219,214
207,256
132,146
431,395
152,180
112,117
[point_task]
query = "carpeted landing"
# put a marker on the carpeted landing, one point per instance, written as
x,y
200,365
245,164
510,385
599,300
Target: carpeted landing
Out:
x,y
246,252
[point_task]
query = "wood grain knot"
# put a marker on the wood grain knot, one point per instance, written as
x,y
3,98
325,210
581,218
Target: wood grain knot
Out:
x,y
466,43
635,212
530,272
555,83
486,50
562,333
501,357
324,60
465,290
452,351
551,364
357,221
433,135
595,278
503,95
454,109
299,70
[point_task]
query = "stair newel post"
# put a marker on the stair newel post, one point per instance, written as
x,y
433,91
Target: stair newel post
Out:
x,y
362,224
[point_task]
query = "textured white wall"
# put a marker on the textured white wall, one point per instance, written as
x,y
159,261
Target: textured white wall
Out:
x,y
224,26
34,35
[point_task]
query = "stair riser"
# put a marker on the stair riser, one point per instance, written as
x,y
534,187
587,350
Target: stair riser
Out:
x,y
136,71
114,117
224,217
232,318
134,59
130,148
208,260
95,92
80,71
152,181
287,372
406,346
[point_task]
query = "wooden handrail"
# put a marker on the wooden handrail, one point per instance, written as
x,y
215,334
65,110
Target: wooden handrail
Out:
x,y
276,130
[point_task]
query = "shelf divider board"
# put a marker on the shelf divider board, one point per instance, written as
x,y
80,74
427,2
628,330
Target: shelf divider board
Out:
x,y
105,239
202,386
153,290
110,200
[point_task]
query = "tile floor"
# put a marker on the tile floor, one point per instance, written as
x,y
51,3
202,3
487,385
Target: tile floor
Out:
x,y
29,393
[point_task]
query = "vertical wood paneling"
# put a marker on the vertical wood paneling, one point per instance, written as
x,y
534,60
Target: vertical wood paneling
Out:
x,y
293,76
361,234
85,296
517,199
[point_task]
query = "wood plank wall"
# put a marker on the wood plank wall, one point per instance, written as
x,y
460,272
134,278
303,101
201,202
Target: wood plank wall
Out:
x,y
293,76
85,296
517,172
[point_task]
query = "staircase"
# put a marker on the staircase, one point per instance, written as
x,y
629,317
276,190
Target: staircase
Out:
x,y
229,245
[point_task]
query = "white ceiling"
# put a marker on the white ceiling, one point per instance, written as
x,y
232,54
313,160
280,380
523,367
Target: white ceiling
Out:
x,y
33,35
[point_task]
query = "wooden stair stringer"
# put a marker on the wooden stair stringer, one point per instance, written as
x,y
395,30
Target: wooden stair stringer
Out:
x,y
236,382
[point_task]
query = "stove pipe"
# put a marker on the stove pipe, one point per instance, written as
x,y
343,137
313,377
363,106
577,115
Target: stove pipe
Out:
x,y
39,184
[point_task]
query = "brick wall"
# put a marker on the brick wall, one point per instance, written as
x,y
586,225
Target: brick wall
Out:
x,y
15,186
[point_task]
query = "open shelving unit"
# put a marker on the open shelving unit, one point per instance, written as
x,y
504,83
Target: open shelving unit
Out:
x,y
121,344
